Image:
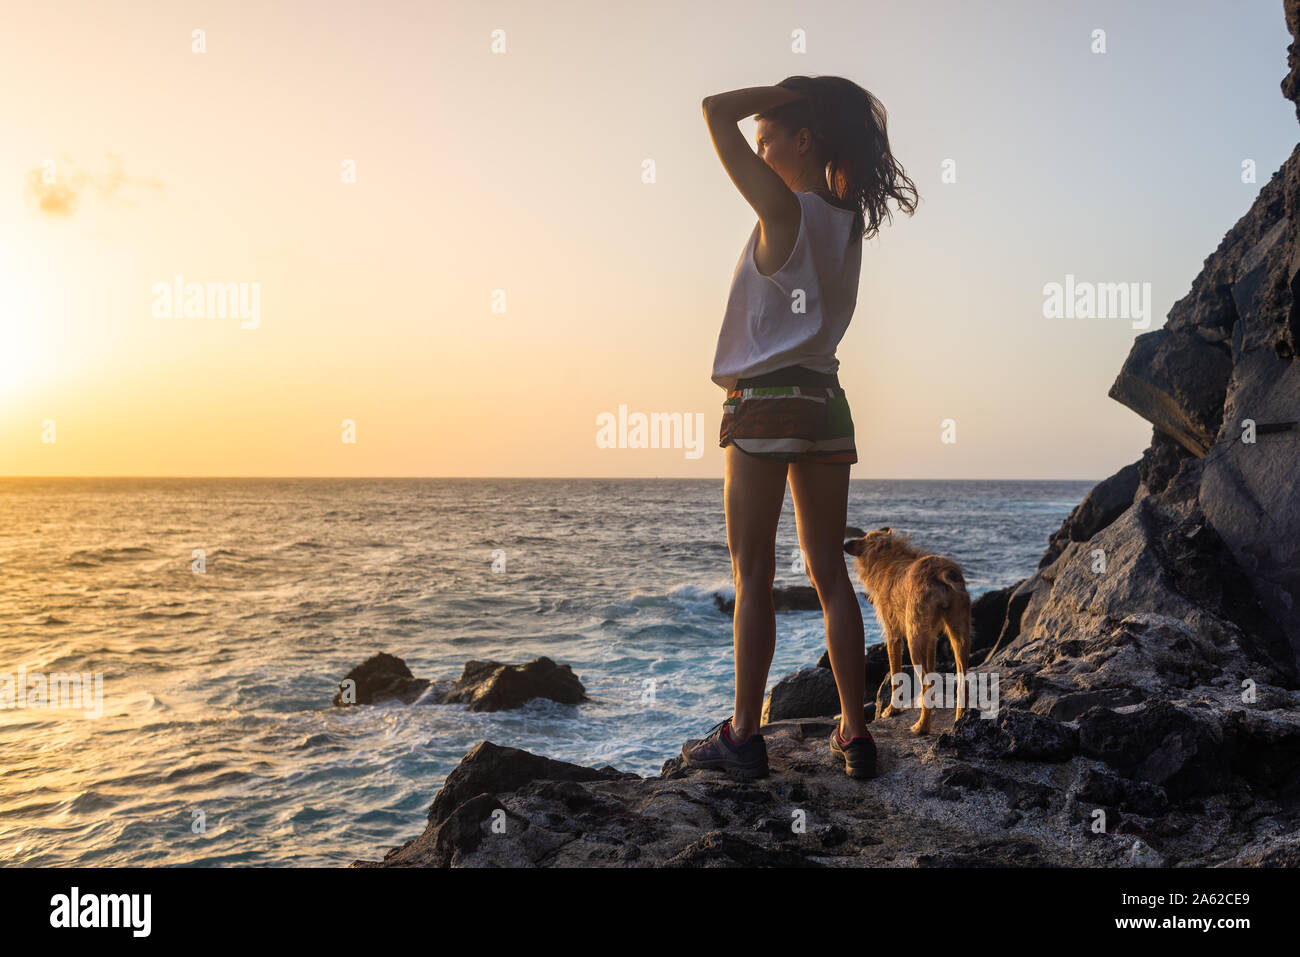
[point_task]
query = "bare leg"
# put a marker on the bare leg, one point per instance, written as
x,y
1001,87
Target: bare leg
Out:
x,y
821,497
753,493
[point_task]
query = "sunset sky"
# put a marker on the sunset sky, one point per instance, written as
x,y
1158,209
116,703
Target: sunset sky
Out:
x,y
523,171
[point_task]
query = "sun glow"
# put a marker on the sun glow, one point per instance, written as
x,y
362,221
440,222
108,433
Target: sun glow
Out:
x,y
23,360
17,341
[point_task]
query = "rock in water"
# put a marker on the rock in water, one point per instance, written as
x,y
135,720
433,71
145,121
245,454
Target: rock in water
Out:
x,y
484,685
381,677
492,686
784,598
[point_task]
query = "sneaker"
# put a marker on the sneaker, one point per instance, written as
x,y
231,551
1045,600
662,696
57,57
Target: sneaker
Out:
x,y
716,752
859,754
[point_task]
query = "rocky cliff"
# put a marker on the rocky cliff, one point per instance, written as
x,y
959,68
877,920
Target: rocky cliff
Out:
x,y
1149,669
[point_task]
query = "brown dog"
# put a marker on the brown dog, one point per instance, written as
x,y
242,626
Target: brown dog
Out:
x,y
915,595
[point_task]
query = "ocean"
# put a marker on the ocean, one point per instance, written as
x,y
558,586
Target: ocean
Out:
x,y
221,614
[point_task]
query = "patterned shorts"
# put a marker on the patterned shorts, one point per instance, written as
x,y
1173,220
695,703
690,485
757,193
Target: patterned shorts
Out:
x,y
790,415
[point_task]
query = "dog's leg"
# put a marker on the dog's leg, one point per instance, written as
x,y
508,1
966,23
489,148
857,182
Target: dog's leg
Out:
x,y
957,627
921,648
894,648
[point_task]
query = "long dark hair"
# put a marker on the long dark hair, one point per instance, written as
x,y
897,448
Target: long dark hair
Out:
x,y
848,125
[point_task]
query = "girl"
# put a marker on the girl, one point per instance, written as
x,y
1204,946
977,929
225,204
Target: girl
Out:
x,y
819,184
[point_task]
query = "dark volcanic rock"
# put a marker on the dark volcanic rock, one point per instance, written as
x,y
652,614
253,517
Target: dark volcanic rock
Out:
x,y
1240,322
484,685
1001,853
490,769
1161,461
1101,787
381,677
988,615
1017,602
1105,503
1067,706
877,667
720,849
806,693
1176,381
1183,750
492,686
1265,751
1020,735
1248,490
1164,610
1291,82
468,809
503,807
977,793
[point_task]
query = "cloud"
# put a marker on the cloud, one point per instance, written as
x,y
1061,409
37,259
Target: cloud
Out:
x,y
56,189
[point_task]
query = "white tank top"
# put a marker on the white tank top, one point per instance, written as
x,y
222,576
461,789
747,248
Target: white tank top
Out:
x,y
768,324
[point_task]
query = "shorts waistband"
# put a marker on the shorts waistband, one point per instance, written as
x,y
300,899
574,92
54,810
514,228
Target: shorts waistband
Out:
x,y
790,375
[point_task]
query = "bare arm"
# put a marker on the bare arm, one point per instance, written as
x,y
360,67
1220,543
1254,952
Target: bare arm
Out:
x,y
734,105
762,188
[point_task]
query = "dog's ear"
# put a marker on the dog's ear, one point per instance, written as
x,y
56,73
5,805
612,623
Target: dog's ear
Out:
x,y
853,546
885,528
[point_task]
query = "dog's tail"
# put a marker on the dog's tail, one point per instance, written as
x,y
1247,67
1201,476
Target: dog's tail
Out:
x,y
946,584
